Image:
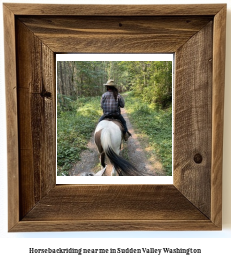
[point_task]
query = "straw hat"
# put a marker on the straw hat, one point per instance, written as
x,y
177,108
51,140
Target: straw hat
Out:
x,y
110,83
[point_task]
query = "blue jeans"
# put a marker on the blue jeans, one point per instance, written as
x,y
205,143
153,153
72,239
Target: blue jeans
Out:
x,y
118,117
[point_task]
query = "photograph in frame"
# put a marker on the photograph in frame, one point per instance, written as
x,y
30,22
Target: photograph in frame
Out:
x,y
145,83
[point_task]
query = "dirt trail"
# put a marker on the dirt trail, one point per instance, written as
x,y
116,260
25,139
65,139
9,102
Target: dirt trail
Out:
x,y
134,150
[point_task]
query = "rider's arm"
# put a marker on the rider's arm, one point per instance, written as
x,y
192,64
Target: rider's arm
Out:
x,y
102,101
121,101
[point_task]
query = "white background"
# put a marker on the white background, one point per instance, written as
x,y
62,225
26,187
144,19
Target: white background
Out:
x,y
213,244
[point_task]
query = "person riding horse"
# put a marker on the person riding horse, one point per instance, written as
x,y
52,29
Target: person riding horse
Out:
x,y
111,102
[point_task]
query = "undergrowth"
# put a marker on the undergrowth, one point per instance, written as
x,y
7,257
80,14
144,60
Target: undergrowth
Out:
x,y
77,120
74,129
156,124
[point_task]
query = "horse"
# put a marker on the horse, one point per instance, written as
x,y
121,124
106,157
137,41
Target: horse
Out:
x,y
108,138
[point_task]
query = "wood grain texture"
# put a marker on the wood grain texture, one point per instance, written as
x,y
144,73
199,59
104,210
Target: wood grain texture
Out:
x,y
114,208
115,10
114,225
193,126
114,202
218,114
12,121
36,106
115,34
194,201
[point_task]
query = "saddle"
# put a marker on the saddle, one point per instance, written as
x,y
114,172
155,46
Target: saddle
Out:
x,y
117,122
125,136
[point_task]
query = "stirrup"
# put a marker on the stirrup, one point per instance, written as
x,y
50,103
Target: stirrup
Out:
x,y
127,135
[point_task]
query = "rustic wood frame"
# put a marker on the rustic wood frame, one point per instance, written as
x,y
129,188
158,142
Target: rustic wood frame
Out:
x,y
33,34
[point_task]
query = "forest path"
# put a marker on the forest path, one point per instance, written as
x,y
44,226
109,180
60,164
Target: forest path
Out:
x,y
135,150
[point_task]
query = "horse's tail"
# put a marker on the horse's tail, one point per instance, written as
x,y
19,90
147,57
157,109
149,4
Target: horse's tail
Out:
x,y
122,166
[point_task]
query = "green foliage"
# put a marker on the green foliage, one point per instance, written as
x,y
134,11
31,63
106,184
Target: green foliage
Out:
x,y
65,103
151,80
74,129
156,125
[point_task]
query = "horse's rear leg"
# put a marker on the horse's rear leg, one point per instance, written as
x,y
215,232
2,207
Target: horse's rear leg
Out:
x,y
113,172
100,148
102,159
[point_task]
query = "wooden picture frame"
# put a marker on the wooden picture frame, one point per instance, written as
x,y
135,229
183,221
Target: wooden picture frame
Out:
x,y
34,33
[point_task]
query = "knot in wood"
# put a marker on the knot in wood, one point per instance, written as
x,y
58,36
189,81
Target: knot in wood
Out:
x,y
198,158
45,94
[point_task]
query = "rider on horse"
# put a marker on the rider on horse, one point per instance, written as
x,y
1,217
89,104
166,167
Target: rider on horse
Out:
x,y
111,102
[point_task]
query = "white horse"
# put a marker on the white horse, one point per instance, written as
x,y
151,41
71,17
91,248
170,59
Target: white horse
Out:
x,y
108,139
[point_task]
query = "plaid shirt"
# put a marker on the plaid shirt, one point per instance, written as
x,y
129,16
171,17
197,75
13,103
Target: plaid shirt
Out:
x,y
111,106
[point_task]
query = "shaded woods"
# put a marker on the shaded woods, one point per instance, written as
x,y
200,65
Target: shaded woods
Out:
x,y
152,81
148,88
